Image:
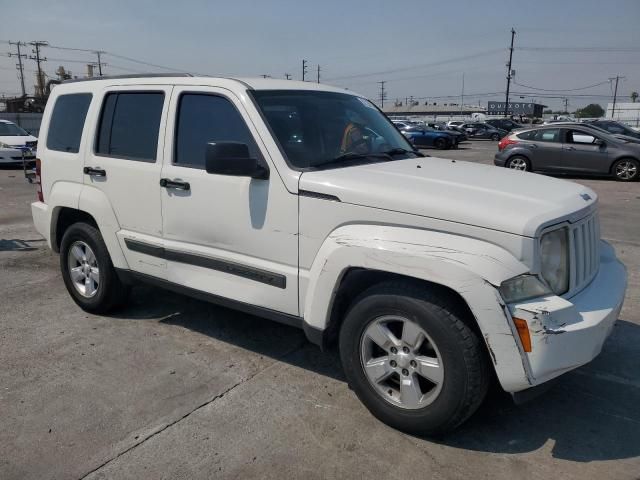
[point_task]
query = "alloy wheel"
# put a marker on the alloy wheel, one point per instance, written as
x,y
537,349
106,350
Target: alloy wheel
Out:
x,y
83,269
518,163
626,170
401,362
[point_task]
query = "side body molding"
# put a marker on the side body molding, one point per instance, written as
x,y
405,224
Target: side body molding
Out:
x,y
471,267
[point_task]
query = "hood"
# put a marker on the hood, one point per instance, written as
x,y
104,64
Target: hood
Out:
x,y
485,196
17,140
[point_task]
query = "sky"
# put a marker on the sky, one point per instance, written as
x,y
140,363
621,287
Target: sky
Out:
x,y
421,49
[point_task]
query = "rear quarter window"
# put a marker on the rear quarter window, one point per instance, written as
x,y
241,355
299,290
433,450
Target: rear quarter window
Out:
x,y
67,122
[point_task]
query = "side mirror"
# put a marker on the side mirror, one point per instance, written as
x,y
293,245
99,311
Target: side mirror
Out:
x,y
233,158
599,142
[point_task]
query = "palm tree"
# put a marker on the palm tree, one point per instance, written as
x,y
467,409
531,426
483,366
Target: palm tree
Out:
x,y
634,96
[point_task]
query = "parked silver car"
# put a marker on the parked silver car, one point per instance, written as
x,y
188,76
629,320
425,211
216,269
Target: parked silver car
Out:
x,y
570,148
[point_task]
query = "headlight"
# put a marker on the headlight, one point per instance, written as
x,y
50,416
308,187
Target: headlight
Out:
x,y
554,260
523,287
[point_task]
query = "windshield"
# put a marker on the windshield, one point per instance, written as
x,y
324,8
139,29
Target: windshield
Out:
x,y
316,128
11,130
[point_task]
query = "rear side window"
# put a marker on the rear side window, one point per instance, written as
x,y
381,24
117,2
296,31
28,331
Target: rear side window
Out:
x,y
67,122
204,118
549,135
130,125
530,135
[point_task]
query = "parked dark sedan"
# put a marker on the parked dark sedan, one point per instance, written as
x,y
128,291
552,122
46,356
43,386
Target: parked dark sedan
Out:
x,y
458,134
615,128
570,149
428,137
504,124
483,130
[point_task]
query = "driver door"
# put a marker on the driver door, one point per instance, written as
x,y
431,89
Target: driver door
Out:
x,y
230,236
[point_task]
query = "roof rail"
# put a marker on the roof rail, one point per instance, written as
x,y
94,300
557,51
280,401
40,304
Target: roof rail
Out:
x,y
118,77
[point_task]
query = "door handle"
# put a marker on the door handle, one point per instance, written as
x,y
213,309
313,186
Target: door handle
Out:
x,y
176,184
95,171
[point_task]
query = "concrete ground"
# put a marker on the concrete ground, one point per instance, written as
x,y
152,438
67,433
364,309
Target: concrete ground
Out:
x,y
176,388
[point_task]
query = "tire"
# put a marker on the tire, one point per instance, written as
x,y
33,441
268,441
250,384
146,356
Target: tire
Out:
x,y
626,170
495,137
441,143
464,375
518,162
108,293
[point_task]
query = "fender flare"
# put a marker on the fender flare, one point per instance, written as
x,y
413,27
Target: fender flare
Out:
x,y
94,202
473,268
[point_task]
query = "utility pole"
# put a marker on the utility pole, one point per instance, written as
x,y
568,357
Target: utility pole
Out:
x,y
462,95
19,66
304,69
39,60
506,101
566,105
287,76
383,93
100,64
615,94
318,73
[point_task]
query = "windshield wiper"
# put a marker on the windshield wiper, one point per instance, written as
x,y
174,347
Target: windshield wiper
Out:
x,y
348,157
399,151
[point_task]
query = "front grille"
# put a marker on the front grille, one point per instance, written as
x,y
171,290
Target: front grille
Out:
x,y
585,252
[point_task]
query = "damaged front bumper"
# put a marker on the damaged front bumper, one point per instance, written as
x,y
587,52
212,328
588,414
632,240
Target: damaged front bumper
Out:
x,y
569,332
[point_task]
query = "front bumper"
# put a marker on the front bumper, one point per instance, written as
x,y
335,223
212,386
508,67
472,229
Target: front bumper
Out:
x,y
568,333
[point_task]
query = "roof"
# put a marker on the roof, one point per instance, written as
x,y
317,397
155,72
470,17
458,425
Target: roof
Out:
x,y
188,79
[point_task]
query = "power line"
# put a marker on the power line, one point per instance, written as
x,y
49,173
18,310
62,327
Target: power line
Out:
x,y
560,89
416,67
580,49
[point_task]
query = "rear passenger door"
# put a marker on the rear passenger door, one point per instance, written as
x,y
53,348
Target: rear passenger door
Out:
x,y
123,166
546,149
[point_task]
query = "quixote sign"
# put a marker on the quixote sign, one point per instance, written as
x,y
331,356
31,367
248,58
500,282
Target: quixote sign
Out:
x,y
515,108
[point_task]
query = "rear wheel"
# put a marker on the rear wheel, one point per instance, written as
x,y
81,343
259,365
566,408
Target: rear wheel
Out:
x,y
87,270
519,163
411,359
626,170
441,143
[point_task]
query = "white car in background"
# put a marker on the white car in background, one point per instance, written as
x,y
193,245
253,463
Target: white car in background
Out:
x,y
13,136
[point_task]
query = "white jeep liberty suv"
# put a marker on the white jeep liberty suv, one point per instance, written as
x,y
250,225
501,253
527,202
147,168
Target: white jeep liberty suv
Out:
x,y
302,203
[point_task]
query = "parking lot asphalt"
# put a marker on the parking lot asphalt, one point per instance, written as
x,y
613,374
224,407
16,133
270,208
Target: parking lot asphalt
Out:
x,y
172,387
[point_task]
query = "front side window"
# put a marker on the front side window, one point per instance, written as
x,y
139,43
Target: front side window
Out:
x,y
67,122
129,125
325,128
576,136
205,118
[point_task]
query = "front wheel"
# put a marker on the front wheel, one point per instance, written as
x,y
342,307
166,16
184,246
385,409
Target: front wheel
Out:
x,y
411,359
87,270
626,170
